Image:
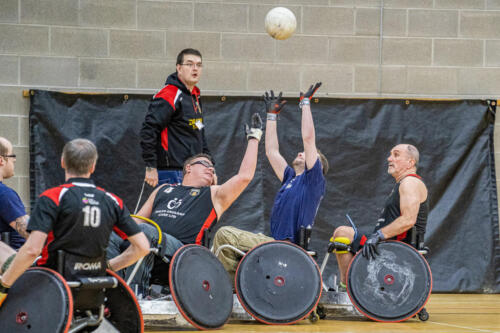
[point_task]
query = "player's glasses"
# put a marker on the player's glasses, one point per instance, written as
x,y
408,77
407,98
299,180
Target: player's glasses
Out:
x,y
205,164
11,156
193,65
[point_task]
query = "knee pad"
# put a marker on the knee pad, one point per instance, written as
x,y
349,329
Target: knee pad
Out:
x,y
339,245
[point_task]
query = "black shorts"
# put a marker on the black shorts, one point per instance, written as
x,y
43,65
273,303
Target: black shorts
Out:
x,y
358,243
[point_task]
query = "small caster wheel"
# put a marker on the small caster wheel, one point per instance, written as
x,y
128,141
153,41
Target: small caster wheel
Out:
x,y
313,317
320,310
423,315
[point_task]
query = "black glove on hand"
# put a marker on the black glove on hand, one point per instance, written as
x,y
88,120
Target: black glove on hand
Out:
x,y
370,247
255,131
274,104
309,93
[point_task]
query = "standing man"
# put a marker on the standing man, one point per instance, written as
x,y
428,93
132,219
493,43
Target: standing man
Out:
x,y
405,207
302,185
76,217
185,211
13,217
173,128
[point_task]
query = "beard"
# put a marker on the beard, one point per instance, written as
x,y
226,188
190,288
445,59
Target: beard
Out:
x,y
298,164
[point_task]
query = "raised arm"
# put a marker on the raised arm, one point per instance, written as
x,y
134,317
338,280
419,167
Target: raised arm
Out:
x,y
274,104
224,195
308,133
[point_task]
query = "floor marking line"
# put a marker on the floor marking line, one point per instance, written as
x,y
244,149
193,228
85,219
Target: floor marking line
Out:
x,y
465,327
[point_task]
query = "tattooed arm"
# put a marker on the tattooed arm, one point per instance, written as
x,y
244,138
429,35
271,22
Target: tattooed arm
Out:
x,y
20,224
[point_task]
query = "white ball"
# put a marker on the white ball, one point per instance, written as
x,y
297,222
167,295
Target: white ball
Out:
x,y
280,23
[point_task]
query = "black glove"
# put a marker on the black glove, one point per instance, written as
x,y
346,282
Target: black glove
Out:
x,y
370,246
304,98
274,104
255,131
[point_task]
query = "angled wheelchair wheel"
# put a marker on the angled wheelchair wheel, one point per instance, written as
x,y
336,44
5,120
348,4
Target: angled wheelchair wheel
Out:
x,y
39,301
394,286
278,283
200,287
121,307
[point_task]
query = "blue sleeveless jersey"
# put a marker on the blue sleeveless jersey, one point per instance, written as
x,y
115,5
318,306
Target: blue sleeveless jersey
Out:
x,y
297,202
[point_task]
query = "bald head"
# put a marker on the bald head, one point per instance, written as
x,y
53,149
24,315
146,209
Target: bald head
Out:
x,y
413,152
5,146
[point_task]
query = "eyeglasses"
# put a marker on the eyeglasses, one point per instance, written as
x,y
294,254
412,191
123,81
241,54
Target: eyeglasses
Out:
x,y
205,164
7,156
192,64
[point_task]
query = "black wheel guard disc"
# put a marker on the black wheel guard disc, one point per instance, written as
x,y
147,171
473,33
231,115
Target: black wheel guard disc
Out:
x,y
200,287
122,309
392,287
39,301
278,283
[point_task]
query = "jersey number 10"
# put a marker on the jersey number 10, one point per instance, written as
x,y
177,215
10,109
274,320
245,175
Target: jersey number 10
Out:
x,y
92,216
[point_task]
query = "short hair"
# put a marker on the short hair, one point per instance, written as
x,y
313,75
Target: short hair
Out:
x,y
413,152
192,158
180,56
79,156
4,148
324,162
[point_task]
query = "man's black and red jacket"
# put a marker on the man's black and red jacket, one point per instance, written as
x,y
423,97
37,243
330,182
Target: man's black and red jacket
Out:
x,y
170,134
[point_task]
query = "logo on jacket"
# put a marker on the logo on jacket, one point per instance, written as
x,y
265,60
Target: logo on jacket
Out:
x,y
174,204
194,192
168,189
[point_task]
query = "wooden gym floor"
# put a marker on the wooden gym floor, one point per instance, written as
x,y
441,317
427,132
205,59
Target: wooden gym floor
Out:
x,y
448,313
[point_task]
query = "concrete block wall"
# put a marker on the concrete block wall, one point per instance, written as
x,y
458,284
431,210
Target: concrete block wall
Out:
x,y
420,48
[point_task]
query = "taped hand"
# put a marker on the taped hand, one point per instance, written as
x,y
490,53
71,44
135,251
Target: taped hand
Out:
x,y
255,130
370,246
310,93
274,104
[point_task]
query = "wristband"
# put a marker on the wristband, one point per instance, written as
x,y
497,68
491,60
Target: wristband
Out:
x,y
304,101
380,234
272,116
254,133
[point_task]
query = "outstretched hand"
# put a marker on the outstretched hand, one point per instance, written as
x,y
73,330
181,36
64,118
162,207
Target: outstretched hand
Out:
x,y
310,93
254,131
274,104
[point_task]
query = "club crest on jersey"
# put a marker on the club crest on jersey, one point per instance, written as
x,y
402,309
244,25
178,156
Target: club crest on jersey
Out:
x,y
194,192
168,189
174,204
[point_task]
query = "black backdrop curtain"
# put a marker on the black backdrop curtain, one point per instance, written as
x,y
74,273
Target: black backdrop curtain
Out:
x,y
455,139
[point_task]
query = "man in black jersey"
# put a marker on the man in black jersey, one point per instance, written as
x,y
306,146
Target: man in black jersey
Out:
x,y
185,211
404,208
77,217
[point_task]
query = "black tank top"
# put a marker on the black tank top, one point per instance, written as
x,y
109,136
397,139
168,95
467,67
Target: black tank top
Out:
x,y
184,212
392,211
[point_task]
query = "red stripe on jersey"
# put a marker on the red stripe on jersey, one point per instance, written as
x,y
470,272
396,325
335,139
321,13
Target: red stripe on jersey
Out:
x,y
164,139
168,93
117,198
363,240
401,236
45,251
207,224
53,193
120,233
414,175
